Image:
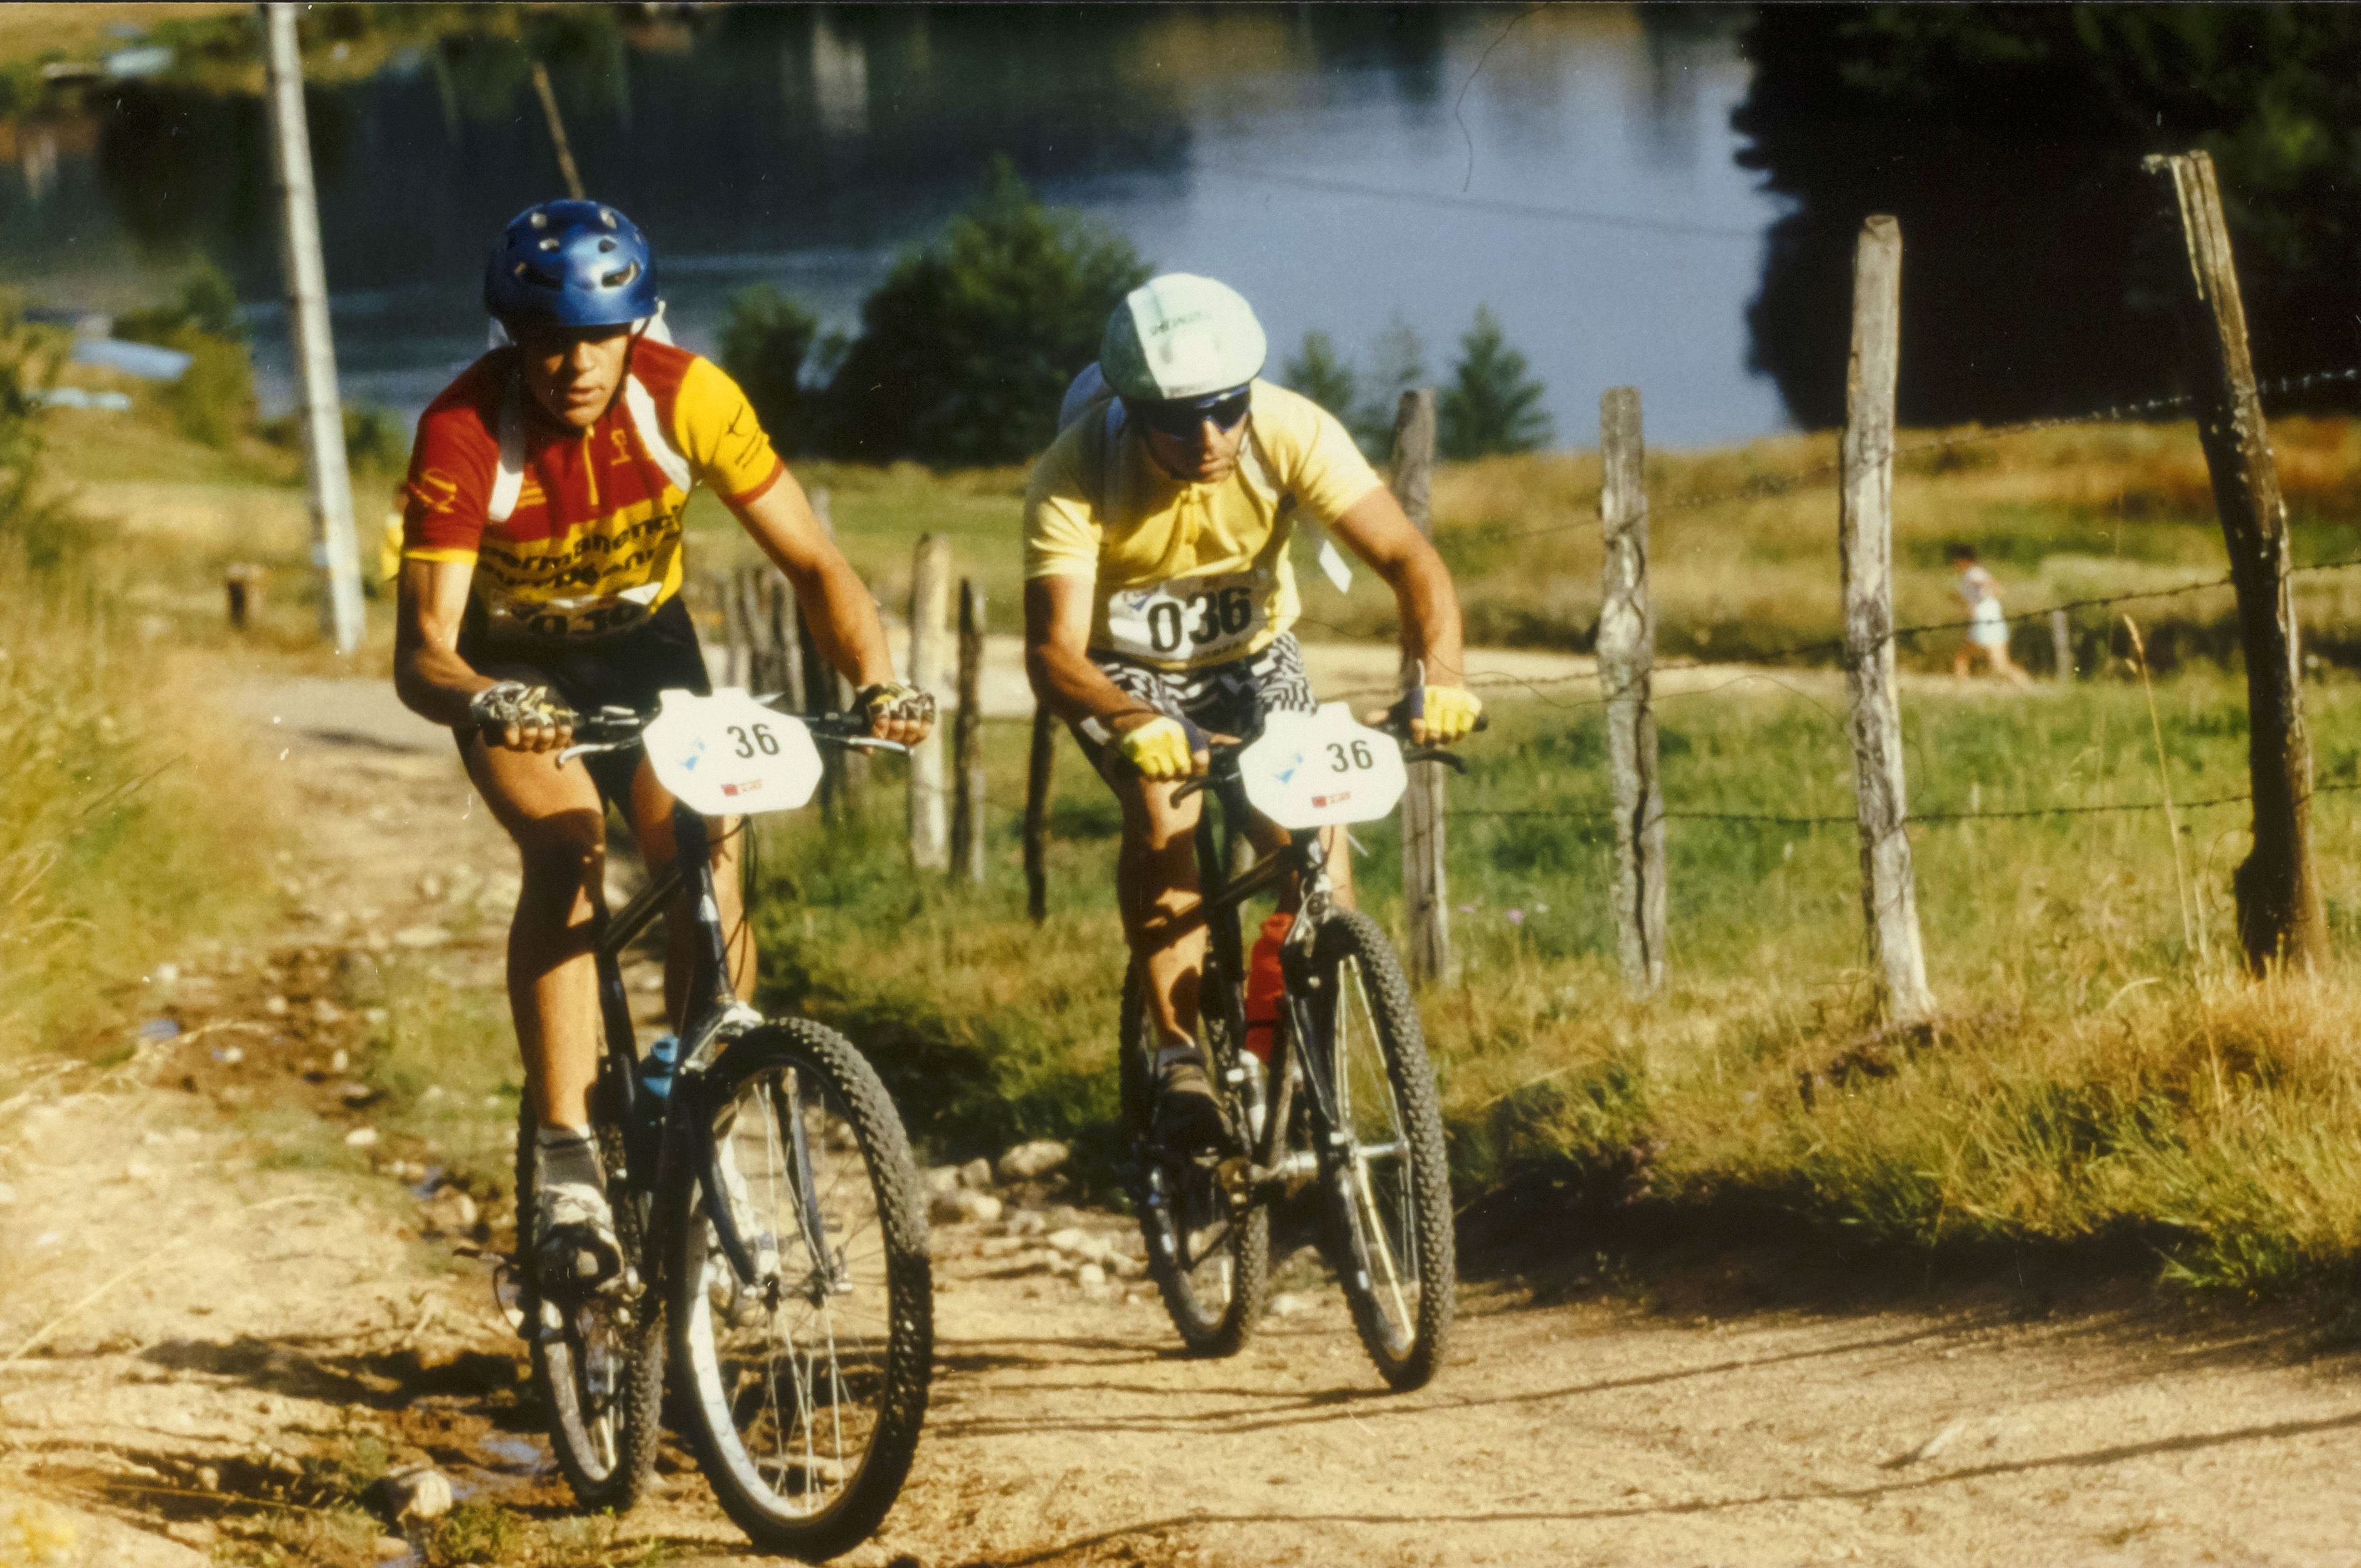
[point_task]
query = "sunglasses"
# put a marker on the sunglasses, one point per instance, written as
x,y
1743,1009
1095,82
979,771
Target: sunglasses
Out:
x,y
1182,418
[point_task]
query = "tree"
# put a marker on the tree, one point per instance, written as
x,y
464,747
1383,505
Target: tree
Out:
x,y
966,348
766,339
1321,373
1398,363
2040,263
1492,404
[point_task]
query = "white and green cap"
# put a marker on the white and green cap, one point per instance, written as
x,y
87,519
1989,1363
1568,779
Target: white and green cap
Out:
x,y
1180,336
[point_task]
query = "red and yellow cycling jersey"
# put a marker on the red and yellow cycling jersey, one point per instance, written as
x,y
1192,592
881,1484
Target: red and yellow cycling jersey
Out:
x,y
578,533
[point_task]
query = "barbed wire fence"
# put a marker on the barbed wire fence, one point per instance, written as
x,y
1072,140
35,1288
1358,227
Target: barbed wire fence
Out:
x,y
1868,644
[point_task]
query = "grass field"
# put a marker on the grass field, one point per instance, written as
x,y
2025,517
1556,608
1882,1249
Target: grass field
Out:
x,y
2103,1070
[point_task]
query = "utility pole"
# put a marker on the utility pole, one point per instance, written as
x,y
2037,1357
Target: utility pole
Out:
x,y
334,548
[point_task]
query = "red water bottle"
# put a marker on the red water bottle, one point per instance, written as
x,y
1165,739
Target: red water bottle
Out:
x,y
1264,983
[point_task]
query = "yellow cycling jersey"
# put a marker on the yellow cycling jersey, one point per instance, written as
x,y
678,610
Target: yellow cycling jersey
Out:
x,y
1189,575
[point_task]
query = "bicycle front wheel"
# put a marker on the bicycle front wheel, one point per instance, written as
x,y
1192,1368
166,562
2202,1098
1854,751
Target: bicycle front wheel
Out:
x,y
1391,1192
806,1384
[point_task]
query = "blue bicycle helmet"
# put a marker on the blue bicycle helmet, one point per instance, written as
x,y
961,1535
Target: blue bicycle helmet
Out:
x,y
570,263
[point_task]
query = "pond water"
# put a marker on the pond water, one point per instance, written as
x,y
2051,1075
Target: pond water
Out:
x,y
1347,168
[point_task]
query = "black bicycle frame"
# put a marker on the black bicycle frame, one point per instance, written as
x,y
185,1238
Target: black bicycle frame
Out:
x,y
685,1132
1223,896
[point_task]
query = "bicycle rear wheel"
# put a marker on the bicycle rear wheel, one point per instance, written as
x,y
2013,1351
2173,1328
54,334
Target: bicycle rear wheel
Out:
x,y
1390,1197
805,1386
597,1363
1211,1263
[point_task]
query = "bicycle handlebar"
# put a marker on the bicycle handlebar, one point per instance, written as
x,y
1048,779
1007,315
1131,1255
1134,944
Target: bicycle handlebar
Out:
x,y
1224,754
612,728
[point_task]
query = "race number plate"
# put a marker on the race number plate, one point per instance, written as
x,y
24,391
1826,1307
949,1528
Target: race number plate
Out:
x,y
726,754
1191,619
1309,770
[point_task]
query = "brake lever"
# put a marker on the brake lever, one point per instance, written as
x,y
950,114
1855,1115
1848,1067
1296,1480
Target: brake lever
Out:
x,y
590,747
1444,754
867,744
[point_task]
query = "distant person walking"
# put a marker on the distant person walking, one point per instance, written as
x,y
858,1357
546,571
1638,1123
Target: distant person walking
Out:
x,y
1987,625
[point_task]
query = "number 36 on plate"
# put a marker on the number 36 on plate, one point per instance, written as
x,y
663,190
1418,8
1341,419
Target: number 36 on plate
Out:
x,y
725,754
1308,770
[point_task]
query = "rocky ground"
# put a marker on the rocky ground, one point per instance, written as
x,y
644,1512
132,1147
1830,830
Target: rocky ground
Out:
x,y
238,1295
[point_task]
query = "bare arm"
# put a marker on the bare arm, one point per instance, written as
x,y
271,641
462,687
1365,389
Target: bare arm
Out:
x,y
430,678
1378,531
835,603
1057,656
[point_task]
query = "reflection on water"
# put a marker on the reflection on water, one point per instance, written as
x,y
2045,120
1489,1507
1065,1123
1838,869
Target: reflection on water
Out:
x,y
1343,165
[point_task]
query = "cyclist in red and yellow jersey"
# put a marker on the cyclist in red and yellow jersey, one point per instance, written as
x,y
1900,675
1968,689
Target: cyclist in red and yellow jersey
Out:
x,y
541,571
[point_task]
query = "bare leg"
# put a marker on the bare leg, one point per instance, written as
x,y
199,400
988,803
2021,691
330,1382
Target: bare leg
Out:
x,y
553,814
1156,885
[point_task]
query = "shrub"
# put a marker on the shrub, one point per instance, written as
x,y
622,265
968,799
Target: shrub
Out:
x,y
1492,405
214,399
966,348
208,301
765,340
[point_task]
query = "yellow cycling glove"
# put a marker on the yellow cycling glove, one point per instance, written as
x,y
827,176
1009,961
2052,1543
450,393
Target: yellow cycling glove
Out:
x,y
1161,748
1449,712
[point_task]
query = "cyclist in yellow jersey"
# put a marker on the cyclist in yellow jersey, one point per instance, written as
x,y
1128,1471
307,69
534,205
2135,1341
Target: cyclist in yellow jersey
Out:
x,y
1160,599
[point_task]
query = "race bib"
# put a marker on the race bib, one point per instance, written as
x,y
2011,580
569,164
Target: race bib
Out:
x,y
1190,620
727,754
1309,770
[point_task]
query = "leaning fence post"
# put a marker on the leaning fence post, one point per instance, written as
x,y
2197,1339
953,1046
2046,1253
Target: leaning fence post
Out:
x,y
2061,645
2279,912
1424,907
1626,657
1037,767
966,739
930,584
1865,547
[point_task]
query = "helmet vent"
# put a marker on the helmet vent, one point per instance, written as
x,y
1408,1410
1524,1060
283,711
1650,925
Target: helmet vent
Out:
x,y
607,216
606,245
549,244
621,278
538,219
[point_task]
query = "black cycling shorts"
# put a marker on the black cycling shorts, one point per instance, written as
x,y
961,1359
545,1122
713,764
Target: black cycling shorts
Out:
x,y
1226,699
627,669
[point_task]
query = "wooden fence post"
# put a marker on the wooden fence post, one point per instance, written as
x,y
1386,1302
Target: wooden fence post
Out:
x,y
786,640
846,780
1425,907
2061,645
930,585
966,739
1037,767
2280,912
1626,657
1865,546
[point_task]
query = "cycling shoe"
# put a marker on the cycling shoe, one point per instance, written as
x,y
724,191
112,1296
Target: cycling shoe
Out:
x,y
574,1245
1188,1117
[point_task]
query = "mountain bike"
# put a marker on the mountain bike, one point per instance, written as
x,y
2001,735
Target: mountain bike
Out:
x,y
771,1219
1347,1105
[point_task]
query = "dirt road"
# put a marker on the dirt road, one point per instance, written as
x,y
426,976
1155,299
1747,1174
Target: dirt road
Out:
x,y
220,1301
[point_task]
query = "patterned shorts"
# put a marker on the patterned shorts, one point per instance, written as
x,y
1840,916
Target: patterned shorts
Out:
x,y
1228,699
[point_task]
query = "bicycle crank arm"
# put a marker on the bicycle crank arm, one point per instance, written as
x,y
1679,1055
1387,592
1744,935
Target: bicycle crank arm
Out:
x,y
1245,1182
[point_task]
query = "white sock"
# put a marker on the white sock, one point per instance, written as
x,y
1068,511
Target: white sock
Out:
x,y
569,1155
